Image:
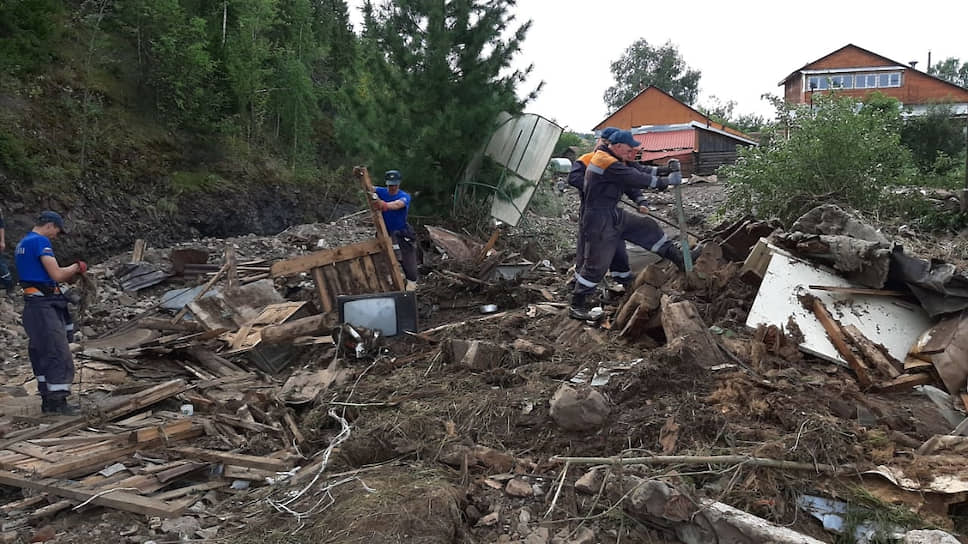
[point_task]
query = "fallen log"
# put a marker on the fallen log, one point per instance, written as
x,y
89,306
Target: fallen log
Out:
x,y
306,326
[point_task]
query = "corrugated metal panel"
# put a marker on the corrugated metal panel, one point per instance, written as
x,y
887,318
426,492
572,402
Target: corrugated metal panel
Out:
x,y
656,145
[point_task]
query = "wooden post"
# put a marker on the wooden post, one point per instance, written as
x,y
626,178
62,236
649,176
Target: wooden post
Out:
x,y
837,338
381,229
138,253
231,270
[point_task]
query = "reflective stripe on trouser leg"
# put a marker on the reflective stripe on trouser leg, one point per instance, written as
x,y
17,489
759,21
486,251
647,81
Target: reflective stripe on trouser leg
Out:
x,y
45,320
42,385
601,239
642,231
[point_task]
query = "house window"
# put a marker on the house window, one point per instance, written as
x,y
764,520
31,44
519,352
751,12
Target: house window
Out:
x,y
842,82
817,83
865,81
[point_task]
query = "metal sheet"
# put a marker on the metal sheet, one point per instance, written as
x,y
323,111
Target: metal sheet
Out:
x,y
884,320
523,145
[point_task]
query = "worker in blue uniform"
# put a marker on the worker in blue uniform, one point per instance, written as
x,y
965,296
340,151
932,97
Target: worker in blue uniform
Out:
x,y
604,225
46,318
395,204
619,269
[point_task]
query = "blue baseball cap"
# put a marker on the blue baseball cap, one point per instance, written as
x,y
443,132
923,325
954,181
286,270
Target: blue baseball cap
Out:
x,y
624,137
392,177
607,132
48,216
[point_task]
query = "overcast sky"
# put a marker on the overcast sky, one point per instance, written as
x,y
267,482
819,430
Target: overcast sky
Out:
x,y
742,47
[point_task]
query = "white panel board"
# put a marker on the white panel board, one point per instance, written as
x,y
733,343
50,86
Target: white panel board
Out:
x,y
524,145
889,321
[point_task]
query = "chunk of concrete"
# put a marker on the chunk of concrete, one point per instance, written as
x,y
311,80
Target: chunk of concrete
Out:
x,y
473,354
583,409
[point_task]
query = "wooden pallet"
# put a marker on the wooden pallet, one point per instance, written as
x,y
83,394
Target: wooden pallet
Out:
x,y
365,267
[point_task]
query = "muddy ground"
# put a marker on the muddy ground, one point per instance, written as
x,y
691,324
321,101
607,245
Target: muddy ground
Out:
x,y
433,445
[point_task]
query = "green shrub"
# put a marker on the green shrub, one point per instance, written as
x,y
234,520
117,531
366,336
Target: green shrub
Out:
x,y
935,139
28,31
837,151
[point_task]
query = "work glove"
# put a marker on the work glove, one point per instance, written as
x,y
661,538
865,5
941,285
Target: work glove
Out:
x,y
674,165
81,267
674,178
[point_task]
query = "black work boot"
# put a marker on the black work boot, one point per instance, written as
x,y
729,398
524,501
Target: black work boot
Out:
x,y
44,405
672,251
61,408
582,309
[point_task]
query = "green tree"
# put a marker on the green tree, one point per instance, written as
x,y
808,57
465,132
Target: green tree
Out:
x,y
28,29
936,134
642,65
836,152
432,78
566,140
951,69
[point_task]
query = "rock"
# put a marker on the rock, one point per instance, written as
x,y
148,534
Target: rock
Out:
x,y
183,526
929,537
583,536
581,409
590,482
488,520
518,488
9,537
44,534
473,354
541,535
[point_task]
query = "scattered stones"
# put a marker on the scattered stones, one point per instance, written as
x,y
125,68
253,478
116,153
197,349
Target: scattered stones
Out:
x,y
583,409
929,537
488,520
184,526
474,354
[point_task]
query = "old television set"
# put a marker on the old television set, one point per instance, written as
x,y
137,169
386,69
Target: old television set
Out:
x,y
391,313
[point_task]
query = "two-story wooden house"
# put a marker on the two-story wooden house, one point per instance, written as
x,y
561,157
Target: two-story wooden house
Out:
x,y
855,71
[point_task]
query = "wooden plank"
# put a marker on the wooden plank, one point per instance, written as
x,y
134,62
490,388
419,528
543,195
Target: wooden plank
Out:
x,y
373,281
138,252
153,433
383,269
73,440
305,263
237,459
837,338
192,489
118,500
81,465
28,503
247,425
231,271
871,352
143,399
913,364
325,299
233,472
905,382
34,451
354,270
382,236
333,282
859,291
51,509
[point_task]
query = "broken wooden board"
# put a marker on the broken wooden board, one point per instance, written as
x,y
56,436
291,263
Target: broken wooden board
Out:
x,y
250,334
237,459
945,345
893,323
119,500
836,336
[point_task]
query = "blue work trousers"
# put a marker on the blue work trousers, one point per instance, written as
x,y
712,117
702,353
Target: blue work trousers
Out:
x,y
405,247
619,268
6,278
49,329
603,231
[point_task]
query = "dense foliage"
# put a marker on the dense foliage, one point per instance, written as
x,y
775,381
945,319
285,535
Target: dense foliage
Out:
x,y
417,90
835,151
951,69
642,65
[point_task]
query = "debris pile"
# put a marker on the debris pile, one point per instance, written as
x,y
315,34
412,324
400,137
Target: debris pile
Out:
x,y
797,386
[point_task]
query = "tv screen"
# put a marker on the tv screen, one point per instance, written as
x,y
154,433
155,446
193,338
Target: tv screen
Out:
x,y
389,313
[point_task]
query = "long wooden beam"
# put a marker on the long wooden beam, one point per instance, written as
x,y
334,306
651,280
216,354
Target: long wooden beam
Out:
x,y
305,263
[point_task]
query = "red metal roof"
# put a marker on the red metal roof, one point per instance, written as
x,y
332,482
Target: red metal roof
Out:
x,y
656,145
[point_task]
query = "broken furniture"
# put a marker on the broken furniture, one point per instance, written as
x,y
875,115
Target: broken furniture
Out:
x,y
365,267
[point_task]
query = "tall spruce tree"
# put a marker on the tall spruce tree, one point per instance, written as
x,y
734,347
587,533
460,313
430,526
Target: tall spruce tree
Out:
x,y
433,75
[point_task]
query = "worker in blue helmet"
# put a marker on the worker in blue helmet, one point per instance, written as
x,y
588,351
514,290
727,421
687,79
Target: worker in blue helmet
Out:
x,y
395,204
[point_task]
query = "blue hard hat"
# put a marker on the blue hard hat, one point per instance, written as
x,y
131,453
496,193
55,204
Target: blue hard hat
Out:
x,y
607,132
51,217
392,177
624,137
